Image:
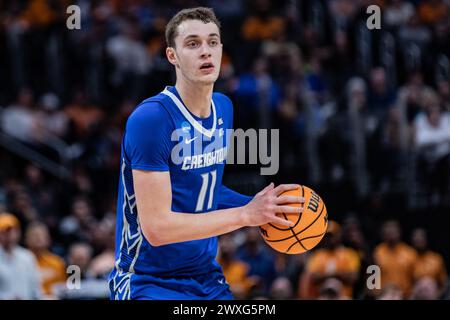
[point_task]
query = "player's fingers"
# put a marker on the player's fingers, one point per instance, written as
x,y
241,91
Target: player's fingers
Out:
x,y
284,187
266,189
288,209
282,221
289,199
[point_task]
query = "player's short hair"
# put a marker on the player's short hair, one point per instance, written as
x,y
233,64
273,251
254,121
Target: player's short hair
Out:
x,y
203,14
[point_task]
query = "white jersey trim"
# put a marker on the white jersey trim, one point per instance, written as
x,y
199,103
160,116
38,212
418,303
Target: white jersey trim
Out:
x,y
188,116
122,279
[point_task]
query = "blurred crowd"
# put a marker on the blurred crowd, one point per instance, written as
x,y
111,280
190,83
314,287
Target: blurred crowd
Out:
x,y
342,267
364,119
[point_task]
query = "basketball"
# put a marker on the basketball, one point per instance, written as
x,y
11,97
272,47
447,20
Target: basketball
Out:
x,y
309,229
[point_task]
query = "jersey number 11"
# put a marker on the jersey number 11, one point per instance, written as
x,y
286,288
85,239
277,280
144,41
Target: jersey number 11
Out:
x,y
202,195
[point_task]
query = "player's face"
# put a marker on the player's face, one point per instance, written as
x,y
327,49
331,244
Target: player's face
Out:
x,y
198,51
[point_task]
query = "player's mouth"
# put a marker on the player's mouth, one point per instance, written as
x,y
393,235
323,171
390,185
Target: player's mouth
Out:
x,y
207,67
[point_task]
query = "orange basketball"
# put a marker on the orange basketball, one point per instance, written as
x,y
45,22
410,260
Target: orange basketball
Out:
x,y
309,229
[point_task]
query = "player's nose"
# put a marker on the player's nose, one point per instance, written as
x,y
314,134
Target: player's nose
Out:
x,y
205,50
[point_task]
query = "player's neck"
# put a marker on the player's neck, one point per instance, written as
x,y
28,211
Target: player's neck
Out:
x,y
197,98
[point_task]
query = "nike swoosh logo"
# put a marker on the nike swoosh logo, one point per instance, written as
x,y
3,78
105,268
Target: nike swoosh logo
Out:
x,y
220,281
187,141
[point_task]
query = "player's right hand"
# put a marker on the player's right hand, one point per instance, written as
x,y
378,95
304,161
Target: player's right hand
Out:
x,y
268,203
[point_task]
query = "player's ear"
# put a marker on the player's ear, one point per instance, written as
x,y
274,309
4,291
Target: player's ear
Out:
x,y
171,56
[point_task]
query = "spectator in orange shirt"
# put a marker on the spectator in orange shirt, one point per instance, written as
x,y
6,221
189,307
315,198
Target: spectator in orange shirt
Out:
x,y
38,13
432,11
333,260
84,116
263,25
395,258
51,267
234,270
428,263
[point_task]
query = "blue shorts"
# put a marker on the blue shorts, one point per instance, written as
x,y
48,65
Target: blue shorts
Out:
x,y
205,287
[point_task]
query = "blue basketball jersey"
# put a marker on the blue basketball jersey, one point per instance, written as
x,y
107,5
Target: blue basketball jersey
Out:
x,y
163,135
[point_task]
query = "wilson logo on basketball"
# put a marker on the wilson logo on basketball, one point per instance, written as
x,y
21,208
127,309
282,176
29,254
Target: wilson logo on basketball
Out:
x,y
314,202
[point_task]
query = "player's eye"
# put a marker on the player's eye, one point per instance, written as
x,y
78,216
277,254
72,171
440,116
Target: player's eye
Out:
x,y
213,43
192,44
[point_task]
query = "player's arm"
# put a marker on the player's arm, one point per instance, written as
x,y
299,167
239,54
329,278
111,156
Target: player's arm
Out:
x,y
161,226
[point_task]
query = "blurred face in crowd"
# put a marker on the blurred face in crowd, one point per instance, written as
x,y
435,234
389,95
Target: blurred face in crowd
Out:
x,y
434,114
426,289
104,235
81,209
80,254
355,238
131,32
360,97
378,79
37,238
391,232
414,21
357,93
22,201
80,98
281,289
341,40
227,247
333,236
10,237
332,240
260,66
444,89
419,239
416,79
331,289
197,53
34,175
252,240
390,292
25,97
262,7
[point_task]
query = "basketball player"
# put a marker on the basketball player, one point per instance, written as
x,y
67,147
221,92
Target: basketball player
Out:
x,y
172,205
